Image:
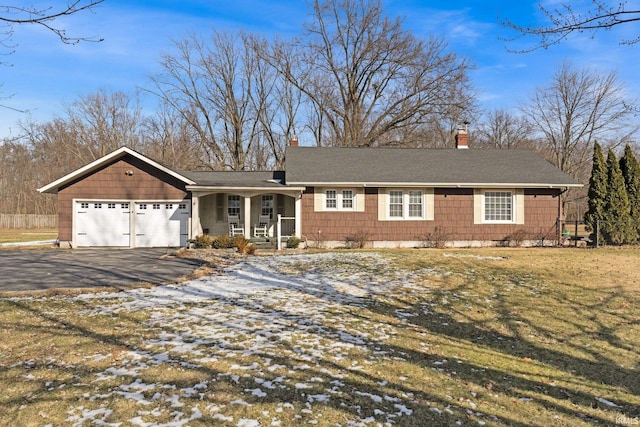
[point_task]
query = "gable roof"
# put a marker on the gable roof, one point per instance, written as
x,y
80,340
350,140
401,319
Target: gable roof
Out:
x,y
324,166
97,164
419,166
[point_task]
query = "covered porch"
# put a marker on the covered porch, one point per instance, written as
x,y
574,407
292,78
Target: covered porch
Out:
x,y
252,201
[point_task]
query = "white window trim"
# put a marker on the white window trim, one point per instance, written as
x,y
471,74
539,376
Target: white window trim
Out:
x,y
326,200
511,220
384,205
517,205
342,199
339,199
320,199
403,203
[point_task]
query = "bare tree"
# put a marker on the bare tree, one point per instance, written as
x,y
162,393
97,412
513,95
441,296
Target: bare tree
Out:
x,y
30,163
94,125
229,68
317,124
172,140
502,129
579,107
14,179
103,122
241,111
366,77
566,19
277,103
441,128
180,87
56,144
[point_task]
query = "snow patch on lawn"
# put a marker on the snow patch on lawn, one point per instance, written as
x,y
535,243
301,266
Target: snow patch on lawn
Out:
x,y
298,315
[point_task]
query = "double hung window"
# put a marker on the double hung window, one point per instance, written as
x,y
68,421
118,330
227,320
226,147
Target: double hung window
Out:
x,y
406,204
266,205
233,205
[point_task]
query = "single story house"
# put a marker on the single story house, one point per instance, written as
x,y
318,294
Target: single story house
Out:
x,y
390,197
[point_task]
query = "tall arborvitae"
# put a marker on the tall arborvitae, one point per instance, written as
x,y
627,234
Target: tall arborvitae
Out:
x,y
618,228
597,191
631,172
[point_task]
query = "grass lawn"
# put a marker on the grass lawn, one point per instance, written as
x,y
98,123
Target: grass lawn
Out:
x,y
23,235
497,337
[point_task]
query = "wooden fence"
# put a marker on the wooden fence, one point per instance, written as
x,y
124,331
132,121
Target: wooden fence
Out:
x,y
28,221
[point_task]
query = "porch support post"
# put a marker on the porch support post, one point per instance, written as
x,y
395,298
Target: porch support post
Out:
x,y
247,216
279,232
196,227
298,215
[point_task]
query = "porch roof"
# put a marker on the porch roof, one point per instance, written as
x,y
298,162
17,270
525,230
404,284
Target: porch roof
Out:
x,y
236,179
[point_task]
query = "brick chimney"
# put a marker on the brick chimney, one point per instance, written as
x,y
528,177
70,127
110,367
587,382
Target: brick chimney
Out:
x,y
293,142
462,137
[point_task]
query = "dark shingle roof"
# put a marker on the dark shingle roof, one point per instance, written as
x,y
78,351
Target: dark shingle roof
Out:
x,y
470,167
236,179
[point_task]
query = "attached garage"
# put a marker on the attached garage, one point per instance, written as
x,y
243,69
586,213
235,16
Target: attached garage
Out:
x,y
101,223
123,200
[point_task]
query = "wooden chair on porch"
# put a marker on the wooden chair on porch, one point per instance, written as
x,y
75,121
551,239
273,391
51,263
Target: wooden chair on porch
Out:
x,y
261,229
235,226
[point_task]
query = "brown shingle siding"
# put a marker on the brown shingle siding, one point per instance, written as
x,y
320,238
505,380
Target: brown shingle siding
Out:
x,y
453,212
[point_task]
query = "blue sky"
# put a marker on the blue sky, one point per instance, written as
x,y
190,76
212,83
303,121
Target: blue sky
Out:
x,y
46,75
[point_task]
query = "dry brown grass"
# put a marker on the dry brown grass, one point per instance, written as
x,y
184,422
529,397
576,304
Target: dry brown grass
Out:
x,y
506,337
24,235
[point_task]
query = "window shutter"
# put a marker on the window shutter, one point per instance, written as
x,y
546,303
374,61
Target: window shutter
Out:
x,y
359,199
318,200
382,204
428,204
477,206
519,206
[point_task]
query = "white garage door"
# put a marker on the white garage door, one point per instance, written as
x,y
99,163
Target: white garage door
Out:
x,y
102,224
161,224
108,224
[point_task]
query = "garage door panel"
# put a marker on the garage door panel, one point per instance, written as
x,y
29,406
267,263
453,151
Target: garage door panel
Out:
x,y
102,224
161,224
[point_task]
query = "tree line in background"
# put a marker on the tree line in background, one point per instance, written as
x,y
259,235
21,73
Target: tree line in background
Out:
x,y
353,77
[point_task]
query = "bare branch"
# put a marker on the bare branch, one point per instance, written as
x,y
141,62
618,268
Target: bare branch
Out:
x,y
20,15
565,20
505,130
45,17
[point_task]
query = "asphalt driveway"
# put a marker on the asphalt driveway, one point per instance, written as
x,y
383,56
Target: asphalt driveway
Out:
x,y
23,270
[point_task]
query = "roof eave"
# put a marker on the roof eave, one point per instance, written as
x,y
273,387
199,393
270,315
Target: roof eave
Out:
x,y
197,187
438,184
